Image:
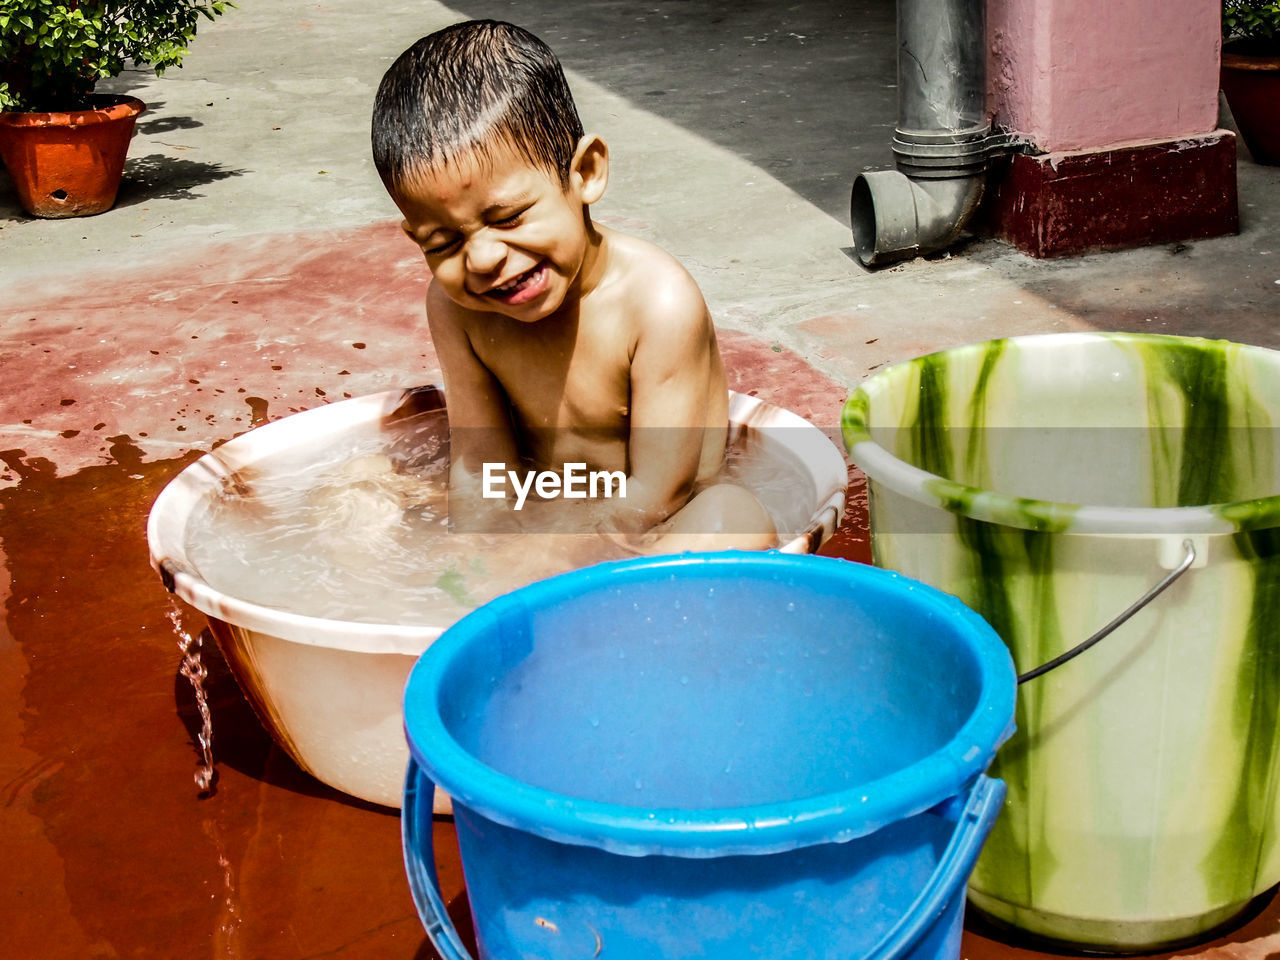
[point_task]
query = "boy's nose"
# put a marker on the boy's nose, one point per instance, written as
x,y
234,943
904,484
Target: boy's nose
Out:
x,y
485,253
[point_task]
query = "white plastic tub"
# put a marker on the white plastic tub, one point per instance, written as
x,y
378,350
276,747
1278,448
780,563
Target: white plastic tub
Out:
x,y
329,690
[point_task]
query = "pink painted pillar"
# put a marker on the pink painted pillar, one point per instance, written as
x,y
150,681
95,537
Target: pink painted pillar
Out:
x,y
1122,98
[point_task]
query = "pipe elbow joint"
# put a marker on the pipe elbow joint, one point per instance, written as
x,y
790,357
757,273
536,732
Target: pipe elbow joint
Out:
x,y
896,217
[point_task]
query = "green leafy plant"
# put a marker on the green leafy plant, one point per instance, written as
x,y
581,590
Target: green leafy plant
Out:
x,y
53,54
1252,26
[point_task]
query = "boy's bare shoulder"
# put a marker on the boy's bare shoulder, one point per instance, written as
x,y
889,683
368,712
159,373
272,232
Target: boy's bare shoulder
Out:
x,y
654,283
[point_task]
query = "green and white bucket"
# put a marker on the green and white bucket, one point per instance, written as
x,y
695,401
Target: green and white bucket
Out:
x,y
1050,483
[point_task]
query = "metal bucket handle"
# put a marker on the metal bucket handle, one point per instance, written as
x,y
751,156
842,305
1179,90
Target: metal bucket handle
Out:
x,y
1159,588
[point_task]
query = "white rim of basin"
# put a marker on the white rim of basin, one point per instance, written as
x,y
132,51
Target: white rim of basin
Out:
x,y
173,508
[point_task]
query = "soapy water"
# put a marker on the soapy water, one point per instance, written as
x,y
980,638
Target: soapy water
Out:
x,y
357,528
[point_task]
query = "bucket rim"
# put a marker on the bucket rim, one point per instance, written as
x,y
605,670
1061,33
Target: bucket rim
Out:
x,y
1047,516
835,816
173,508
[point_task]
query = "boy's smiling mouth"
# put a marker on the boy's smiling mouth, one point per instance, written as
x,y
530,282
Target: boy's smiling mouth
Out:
x,y
522,288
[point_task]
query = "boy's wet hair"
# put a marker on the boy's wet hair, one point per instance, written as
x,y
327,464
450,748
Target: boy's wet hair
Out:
x,y
466,88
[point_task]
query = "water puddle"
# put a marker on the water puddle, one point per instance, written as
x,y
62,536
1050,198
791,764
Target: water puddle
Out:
x,y
97,756
852,540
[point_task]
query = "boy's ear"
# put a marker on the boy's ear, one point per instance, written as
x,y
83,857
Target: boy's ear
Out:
x,y
589,170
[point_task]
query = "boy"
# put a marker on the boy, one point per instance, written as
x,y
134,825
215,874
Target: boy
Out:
x,y
562,342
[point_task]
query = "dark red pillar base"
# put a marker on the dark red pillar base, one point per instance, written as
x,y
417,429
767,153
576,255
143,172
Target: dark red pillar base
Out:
x,y
1070,203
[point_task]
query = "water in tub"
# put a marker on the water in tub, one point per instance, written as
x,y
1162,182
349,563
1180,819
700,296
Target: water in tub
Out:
x,y
356,529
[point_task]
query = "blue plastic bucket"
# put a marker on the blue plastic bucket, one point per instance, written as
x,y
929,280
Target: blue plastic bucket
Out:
x,y
717,755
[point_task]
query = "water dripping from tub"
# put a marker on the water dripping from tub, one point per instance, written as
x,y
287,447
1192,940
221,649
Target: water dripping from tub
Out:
x,y
194,670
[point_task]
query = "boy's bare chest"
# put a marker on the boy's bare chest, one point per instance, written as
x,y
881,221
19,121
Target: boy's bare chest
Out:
x,y
572,379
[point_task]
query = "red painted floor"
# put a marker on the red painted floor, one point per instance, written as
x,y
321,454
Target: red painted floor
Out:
x,y
111,390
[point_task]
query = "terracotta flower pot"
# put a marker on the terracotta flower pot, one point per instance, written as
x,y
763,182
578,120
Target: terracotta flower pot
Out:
x,y
1252,87
69,164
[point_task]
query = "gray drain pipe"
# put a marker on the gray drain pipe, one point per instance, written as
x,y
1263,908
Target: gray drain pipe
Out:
x,y
943,141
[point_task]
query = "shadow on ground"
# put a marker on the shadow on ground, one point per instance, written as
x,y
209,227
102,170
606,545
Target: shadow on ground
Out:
x,y
166,124
804,91
157,177
160,177
153,177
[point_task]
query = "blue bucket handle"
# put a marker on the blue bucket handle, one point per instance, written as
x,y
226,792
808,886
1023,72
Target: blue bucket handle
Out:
x,y
419,792
974,815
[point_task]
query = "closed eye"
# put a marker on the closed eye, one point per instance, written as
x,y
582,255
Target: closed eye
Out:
x,y
512,220
440,249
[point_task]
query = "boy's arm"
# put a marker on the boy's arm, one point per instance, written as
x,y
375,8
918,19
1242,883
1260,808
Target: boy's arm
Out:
x,y
672,370
479,419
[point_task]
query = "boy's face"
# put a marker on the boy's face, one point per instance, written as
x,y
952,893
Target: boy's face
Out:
x,y
501,235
